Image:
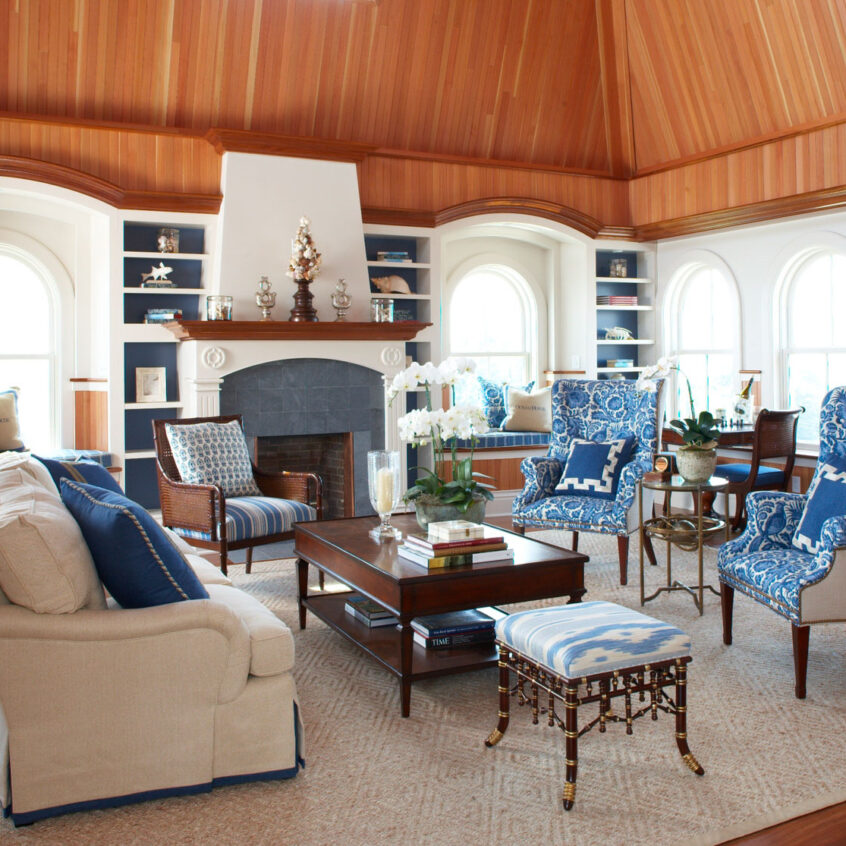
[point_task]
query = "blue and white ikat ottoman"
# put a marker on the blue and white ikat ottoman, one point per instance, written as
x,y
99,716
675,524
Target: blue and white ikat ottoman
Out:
x,y
591,638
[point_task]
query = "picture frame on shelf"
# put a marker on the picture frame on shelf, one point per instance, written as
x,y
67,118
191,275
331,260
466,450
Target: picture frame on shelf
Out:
x,y
150,384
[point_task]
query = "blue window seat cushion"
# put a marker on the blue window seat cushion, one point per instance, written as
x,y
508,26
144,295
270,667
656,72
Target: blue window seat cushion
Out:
x,y
826,498
256,517
499,439
593,468
104,458
88,472
135,559
739,472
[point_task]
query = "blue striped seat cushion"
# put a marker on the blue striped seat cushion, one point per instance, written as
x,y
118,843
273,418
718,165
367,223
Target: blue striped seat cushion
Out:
x,y
506,439
589,638
256,517
739,472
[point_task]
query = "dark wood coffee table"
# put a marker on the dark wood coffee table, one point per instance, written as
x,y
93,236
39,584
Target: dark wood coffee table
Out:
x,y
344,550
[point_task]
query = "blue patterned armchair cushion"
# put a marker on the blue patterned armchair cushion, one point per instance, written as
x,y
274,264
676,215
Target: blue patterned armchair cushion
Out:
x,y
589,638
256,517
213,454
593,469
493,400
826,498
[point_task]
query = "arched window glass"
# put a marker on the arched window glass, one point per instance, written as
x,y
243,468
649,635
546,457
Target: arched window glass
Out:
x,y
493,319
28,350
815,352
704,318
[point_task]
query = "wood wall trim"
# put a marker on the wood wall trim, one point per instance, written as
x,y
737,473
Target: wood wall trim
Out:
x,y
286,330
275,144
829,198
92,186
579,221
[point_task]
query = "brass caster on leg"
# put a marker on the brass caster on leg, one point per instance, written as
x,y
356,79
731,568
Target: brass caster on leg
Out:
x,y
569,794
493,738
693,763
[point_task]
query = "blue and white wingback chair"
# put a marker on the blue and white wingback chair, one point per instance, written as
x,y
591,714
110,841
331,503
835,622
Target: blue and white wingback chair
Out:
x,y
600,411
792,555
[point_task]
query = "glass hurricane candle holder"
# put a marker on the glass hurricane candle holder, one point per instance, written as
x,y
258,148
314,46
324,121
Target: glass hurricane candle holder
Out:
x,y
384,485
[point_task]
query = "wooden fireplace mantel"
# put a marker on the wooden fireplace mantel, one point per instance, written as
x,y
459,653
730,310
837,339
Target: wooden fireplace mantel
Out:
x,y
284,330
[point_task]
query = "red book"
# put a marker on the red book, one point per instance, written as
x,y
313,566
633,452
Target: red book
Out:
x,y
422,542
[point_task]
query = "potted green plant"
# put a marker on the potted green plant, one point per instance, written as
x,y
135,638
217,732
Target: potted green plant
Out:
x,y
450,489
697,457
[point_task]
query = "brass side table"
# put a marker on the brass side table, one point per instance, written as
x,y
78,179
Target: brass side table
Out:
x,y
686,531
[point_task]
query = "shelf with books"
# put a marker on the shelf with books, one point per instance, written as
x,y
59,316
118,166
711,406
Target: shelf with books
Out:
x,y
623,302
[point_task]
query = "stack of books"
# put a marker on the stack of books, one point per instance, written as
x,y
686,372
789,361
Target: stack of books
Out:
x,y
162,315
458,628
432,553
399,256
616,299
369,612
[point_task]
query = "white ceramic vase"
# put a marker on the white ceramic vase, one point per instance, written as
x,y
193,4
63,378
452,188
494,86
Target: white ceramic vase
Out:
x,y
696,464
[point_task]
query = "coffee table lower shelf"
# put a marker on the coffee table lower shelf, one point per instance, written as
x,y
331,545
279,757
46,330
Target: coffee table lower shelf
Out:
x,y
384,643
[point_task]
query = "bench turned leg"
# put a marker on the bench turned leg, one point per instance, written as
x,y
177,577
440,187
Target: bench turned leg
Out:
x,y
504,702
571,734
681,720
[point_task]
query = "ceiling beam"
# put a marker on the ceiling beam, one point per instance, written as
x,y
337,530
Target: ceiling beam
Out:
x,y
612,43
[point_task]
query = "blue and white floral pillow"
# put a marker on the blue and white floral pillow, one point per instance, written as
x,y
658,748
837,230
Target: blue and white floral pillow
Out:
x,y
213,454
493,400
826,498
593,468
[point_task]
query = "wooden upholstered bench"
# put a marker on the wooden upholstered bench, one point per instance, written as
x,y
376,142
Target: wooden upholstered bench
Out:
x,y
592,652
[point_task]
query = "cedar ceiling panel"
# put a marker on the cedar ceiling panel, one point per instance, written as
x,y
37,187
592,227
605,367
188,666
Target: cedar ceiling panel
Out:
x,y
503,79
709,74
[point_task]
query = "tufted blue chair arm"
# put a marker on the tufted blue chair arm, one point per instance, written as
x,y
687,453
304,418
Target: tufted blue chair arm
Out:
x,y
772,521
542,475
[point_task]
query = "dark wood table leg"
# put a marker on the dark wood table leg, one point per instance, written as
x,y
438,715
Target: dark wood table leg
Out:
x,y
576,595
302,589
407,645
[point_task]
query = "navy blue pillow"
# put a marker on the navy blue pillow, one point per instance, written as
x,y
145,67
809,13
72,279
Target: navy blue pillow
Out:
x,y
593,468
826,498
85,471
135,559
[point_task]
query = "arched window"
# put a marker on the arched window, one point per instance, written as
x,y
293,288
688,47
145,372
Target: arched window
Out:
x,y
492,317
29,347
703,319
814,349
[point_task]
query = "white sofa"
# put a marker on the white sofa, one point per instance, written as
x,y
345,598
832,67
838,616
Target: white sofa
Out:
x,y
103,705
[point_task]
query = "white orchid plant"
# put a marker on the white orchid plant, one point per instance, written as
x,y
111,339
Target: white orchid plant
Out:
x,y
697,432
442,428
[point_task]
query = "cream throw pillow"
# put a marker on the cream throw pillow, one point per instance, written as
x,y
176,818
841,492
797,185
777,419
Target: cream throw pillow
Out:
x,y
22,468
45,564
10,434
528,411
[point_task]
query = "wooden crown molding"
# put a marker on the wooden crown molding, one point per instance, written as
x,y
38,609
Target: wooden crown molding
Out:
x,y
827,198
274,144
92,186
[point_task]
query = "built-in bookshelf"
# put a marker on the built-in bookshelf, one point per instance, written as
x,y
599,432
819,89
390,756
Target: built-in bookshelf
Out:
x,y
144,340
624,299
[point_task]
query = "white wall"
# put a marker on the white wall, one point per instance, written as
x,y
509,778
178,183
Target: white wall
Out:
x,y
756,256
264,198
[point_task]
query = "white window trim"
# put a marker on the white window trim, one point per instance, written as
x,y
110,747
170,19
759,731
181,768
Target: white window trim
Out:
x,y
528,289
692,262
50,270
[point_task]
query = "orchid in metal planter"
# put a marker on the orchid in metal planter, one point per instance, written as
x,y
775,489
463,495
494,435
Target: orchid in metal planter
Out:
x,y
450,481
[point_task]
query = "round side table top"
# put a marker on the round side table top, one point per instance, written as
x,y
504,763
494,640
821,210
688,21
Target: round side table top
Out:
x,y
677,483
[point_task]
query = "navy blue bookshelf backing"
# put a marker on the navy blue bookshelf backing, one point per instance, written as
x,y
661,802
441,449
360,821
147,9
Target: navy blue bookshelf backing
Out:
x,y
150,355
142,238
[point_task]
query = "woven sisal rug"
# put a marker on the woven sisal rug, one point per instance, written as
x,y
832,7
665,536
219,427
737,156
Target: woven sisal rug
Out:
x,y
373,777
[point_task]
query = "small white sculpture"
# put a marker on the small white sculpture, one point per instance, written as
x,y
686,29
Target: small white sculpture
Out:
x,y
156,273
618,333
391,284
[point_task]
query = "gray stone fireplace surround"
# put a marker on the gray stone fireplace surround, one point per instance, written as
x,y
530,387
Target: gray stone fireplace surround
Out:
x,y
311,396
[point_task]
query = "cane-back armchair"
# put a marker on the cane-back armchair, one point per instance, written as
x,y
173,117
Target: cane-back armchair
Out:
x,y
212,493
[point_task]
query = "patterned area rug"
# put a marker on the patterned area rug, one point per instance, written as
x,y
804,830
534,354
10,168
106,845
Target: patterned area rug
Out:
x,y
373,777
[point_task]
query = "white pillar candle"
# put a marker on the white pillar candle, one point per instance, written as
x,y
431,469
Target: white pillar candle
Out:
x,y
384,490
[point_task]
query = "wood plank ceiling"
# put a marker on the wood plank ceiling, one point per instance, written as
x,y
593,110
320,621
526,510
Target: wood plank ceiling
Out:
x,y
442,102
